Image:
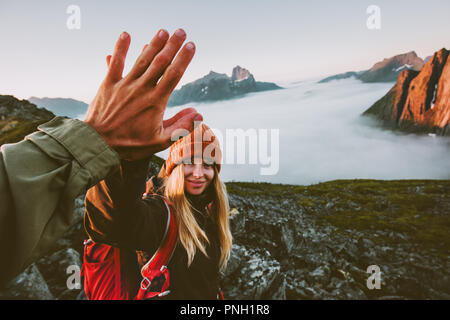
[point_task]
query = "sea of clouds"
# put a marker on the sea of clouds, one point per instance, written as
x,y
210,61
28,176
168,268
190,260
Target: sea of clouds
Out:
x,y
321,136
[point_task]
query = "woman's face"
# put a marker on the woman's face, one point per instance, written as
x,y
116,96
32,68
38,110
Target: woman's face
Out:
x,y
197,177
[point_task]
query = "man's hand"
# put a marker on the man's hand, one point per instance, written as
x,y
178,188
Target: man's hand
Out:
x,y
128,111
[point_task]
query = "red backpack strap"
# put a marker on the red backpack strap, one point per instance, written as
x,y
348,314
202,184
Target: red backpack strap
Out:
x,y
220,294
157,265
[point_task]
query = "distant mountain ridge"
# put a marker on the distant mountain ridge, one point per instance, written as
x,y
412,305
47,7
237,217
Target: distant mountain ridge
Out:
x,y
389,69
219,86
212,87
61,106
420,100
386,70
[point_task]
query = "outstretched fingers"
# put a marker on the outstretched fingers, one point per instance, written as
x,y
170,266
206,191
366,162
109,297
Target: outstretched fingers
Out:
x,y
164,58
108,57
175,71
148,54
117,61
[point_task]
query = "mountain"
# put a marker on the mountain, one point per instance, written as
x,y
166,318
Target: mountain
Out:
x,y
386,70
420,100
355,74
219,86
19,118
61,106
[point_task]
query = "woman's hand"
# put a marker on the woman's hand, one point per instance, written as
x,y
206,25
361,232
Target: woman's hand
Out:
x,y
128,111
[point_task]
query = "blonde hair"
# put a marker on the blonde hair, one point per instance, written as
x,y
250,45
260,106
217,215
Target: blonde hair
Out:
x,y
190,234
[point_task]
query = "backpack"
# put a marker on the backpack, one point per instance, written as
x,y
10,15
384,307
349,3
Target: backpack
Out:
x,y
107,276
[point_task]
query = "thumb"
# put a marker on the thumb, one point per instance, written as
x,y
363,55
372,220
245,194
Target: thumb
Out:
x,y
182,126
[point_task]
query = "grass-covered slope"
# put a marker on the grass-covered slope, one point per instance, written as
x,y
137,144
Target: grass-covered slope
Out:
x,y
19,118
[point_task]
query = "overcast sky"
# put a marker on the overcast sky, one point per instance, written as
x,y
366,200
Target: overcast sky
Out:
x,y
275,40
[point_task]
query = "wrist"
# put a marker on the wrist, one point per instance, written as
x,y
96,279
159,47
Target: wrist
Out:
x,y
103,135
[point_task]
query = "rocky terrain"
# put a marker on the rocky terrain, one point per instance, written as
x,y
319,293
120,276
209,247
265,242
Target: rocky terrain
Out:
x,y
290,241
218,86
386,70
316,242
305,242
19,118
420,100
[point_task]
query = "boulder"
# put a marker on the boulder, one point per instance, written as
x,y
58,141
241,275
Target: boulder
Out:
x,y
29,285
61,272
253,274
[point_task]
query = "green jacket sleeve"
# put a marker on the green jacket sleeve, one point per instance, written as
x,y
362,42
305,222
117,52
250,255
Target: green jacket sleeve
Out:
x,y
40,177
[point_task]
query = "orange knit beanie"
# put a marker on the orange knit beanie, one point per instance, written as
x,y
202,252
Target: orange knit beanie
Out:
x,y
201,143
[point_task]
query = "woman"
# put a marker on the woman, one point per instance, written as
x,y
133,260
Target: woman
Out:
x,y
118,215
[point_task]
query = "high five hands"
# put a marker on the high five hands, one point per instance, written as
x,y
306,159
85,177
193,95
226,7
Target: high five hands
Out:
x,y
128,111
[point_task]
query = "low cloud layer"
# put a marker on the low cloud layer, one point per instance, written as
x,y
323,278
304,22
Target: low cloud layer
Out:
x,y
322,137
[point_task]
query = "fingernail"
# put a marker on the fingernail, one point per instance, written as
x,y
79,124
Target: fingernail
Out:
x,y
190,46
124,35
163,34
180,33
